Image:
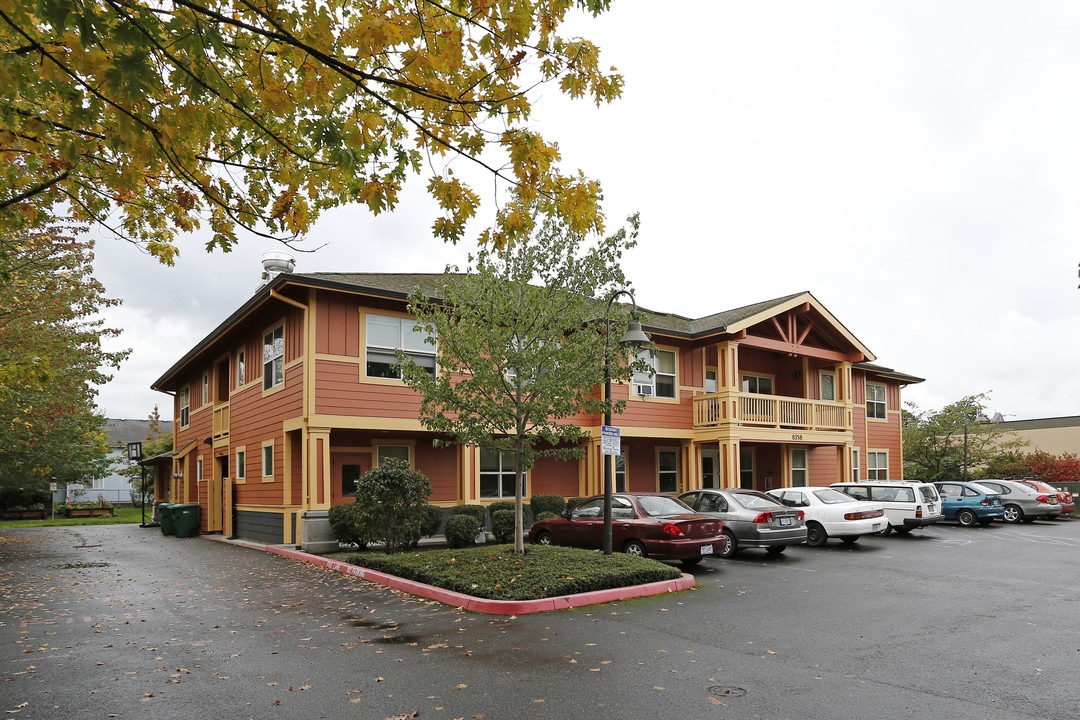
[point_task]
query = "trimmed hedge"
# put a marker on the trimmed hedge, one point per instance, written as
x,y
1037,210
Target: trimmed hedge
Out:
x,y
554,504
500,505
461,529
432,519
477,511
502,525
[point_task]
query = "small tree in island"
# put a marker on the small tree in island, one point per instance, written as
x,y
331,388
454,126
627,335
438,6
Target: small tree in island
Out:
x,y
522,341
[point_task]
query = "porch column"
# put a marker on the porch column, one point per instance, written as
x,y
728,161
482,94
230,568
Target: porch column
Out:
x,y
316,463
843,461
729,464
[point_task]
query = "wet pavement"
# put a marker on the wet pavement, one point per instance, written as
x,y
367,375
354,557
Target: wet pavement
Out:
x,y
123,622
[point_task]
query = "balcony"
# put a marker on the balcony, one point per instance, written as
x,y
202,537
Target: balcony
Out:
x,y
221,420
769,411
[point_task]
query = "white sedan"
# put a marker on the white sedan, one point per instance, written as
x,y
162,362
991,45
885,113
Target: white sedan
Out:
x,y
831,513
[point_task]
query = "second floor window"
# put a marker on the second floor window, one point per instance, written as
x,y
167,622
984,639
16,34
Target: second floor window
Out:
x,y
386,335
240,378
661,382
274,358
875,401
757,384
185,407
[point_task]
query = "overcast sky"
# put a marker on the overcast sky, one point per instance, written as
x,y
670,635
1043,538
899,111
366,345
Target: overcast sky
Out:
x,y
914,165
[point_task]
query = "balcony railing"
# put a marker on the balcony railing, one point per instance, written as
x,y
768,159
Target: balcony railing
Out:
x,y
221,420
772,411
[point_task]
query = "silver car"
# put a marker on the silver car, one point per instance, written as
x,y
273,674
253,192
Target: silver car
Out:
x,y
1023,503
751,519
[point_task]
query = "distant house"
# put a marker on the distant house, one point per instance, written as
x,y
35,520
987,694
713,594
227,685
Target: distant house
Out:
x,y
115,488
293,397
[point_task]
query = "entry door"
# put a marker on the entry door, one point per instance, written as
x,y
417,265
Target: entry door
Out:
x,y
746,468
215,499
710,468
347,469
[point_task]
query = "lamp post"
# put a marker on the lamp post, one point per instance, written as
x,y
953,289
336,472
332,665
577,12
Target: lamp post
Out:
x,y
634,337
135,454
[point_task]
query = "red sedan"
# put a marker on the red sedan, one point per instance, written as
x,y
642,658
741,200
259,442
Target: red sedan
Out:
x,y
656,526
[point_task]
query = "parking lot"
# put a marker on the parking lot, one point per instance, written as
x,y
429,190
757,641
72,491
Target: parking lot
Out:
x,y
949,622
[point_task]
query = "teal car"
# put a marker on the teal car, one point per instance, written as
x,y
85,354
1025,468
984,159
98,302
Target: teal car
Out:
x,y
969,503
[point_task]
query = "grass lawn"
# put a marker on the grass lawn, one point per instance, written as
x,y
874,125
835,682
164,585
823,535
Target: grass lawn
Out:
x,y
123,515
495,572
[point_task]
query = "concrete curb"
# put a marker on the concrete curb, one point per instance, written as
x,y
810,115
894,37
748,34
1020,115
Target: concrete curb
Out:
x,y
483,605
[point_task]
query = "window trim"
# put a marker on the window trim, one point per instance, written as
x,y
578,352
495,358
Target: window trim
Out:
x,y
757,376
379,445
184,399
240,464
855,464
270,377
205,389
872,467
677,471
433,354
822,374
651,356
883,403
805,468
241,369
501,473
268,445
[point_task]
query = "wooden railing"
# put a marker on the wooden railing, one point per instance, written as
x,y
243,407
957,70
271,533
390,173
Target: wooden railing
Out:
x,y
221,420
750,409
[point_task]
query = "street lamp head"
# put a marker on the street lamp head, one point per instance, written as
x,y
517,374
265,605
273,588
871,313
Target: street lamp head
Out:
x,y
634,336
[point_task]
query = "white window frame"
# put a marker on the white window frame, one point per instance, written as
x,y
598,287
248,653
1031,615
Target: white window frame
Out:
x,y
274,357
712,383
381,347
872,403
646,385
875,470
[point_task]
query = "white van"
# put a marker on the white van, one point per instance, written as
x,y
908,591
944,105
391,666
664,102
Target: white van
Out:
x,y
908,505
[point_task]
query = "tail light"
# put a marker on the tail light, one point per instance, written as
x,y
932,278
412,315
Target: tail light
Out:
x,y
1043,498
672,529
984,501
863,515
762,518
918,512
802,516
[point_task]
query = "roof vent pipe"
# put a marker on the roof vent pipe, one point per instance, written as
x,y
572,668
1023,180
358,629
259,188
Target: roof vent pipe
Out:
x,y
275,263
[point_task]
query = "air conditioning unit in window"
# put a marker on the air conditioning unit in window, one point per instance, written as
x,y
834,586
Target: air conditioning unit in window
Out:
x,y
643,389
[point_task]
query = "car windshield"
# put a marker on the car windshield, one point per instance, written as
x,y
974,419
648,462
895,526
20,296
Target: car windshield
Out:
x,y
831,497
753,501
660,505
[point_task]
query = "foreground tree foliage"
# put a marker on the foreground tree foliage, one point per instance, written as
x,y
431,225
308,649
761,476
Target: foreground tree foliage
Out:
x,y
260,115
956,441
51,360
521,345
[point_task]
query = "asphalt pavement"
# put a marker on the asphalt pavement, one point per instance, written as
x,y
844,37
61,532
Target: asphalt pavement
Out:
x,y
123,622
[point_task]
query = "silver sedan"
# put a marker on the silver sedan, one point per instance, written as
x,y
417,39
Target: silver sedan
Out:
x,y
751,519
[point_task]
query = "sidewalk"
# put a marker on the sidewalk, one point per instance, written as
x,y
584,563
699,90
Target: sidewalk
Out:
x,y
468,602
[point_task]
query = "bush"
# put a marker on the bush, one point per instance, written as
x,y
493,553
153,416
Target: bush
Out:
x,y
432,519
347,524
392,497
544,516
573,502
500,505
554,504
461,529
502,525
476,511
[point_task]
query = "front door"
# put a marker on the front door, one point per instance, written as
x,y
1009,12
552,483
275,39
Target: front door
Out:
x,y
746,468
710,468
347,469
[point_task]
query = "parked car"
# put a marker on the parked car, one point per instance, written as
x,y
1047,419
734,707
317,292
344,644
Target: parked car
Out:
x,y
1023,503
656,526
1065,498
830,513
751,519
908,505
968,503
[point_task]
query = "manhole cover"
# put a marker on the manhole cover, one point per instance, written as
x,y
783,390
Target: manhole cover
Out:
x,y
724,691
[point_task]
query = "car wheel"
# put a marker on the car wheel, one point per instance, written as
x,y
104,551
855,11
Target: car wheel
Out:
x,y
1013,514
691,562
886,530
545,538
732,545
816,535
849,539
634,547
966,518
776,549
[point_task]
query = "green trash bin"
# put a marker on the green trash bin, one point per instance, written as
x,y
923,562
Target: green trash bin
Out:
x,y
168,520
186,519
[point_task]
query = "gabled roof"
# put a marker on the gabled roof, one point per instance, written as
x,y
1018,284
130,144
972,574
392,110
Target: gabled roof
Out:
x,y
400,285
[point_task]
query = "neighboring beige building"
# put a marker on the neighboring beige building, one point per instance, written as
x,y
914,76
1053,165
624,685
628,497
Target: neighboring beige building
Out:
x,y
1052,435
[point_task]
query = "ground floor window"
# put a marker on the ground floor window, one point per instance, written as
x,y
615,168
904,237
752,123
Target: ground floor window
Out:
x,y
877,465
667,470
498,473
746,468
620,471
385,452
798,468
855,465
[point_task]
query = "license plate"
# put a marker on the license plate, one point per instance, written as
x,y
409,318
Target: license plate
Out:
x,y
786,521
706,549
930,507
877,526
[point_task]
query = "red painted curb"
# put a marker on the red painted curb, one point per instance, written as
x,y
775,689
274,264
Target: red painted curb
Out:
x,y
483,605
